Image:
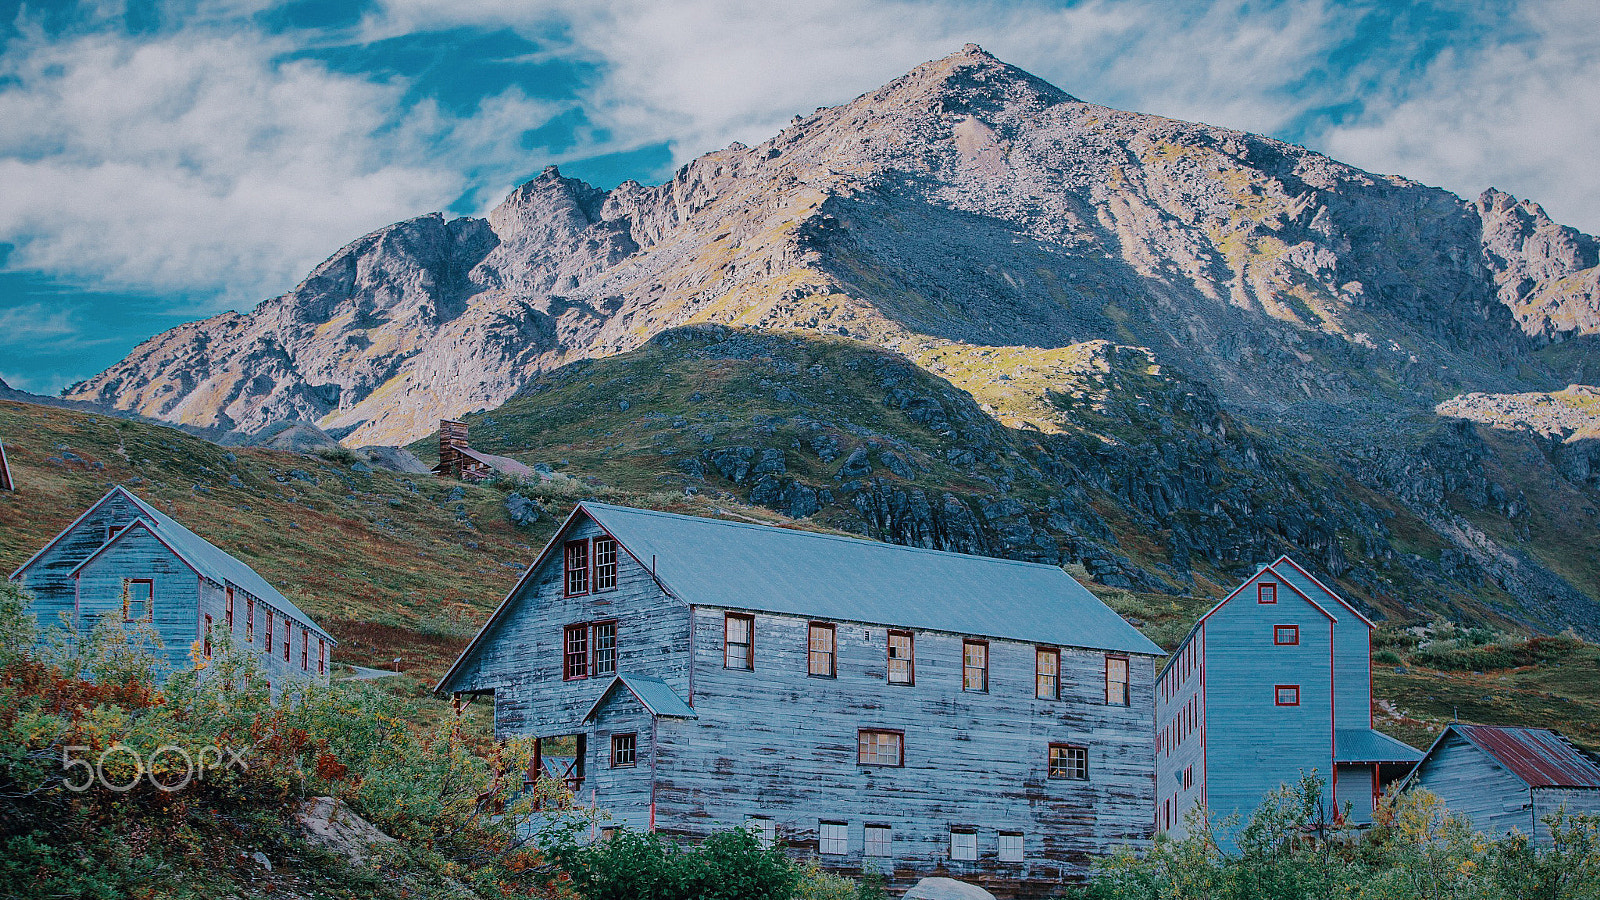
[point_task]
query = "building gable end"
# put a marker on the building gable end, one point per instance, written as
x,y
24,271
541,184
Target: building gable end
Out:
x,y
116,491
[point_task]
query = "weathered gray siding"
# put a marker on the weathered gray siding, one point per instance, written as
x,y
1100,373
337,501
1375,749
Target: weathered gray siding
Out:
x,y
1180,737
1254,745
623,792
49,577
776,742
1571,801
1354,789
1472,783
521,659
139,555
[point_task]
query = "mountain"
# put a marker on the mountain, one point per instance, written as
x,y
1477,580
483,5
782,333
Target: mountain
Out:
x,y
1163,348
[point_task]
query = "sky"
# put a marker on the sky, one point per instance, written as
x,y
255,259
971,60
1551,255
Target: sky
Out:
x,y
165,161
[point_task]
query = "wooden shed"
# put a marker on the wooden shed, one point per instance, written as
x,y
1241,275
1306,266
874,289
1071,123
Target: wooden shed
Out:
x,y
854,701
6,484
457,459
1508,779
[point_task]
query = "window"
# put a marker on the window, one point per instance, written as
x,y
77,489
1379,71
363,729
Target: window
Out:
x,y
577,568
305,650
902,658
963,845
1116,681
1287,695
975,666
1047,673
880,748
605,563
138,600
207,647
1188,777
249,619
114,530
228,611
288,637
1266,592
1068,761
623,749
820,658
765,830
1011,846
605,648
1286,635
576,654
266,631
322,657
879,840
833,839
738,642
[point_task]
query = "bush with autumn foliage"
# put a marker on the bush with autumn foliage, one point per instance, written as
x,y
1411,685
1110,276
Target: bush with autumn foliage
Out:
x,y
192,827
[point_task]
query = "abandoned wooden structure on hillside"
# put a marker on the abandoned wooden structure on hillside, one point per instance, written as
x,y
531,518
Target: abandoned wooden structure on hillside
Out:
x,y
6,484
925,712
1272,683
126,562
1508,779
458,460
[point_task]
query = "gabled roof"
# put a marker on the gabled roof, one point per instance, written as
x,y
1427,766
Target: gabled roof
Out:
x,y
1292,572
657,696
1538,756
763,568
201,555
1271,569
1367,745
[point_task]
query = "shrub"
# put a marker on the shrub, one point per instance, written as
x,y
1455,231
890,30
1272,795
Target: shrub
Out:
x,y
729,865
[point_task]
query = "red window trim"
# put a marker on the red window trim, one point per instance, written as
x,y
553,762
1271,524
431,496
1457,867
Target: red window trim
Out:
x,y
207,646
1127,681
750,660
911,660
631,763
594,648
1265,589
230,608
1056,652
1277,696
588,651
567,568
594,564
1277,631
833,656
898,764
149,601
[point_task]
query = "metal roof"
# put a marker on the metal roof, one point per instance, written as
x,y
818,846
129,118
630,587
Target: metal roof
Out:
x,y
1538,756
1366,745
500,463
763,568
656,695
205,557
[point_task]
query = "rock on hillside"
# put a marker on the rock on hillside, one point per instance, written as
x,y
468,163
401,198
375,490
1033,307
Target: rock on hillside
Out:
x,y
966,202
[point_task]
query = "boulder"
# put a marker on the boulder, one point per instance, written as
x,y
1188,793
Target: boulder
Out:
x,y
946,889
328,823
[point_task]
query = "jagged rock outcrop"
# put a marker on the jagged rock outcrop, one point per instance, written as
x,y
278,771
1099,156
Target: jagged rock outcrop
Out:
x,y
1548,274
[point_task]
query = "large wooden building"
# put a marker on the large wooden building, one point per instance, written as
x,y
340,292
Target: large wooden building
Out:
x,y
1272,683
921,711
1509,779
125,561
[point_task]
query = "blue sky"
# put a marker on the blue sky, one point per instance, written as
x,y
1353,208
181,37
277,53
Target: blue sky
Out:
x,y
164,161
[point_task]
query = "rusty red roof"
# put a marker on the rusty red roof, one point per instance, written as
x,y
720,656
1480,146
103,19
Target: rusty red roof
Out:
x,y
1538,756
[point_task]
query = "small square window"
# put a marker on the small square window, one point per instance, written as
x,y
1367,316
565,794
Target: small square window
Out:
x,y
964,845
880,748
1011,846
1067,761
1286,635
879,840
833,839
1287,695
765,830
623,750
1266,592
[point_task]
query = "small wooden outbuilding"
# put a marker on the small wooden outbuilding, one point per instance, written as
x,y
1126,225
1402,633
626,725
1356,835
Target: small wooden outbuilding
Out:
x,y
6,484
458,460
1508,779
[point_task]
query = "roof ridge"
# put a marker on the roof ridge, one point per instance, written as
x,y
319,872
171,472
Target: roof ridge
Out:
x,y
820,534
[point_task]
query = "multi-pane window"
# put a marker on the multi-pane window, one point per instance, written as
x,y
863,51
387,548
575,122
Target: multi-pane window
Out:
x,y
902,658
1047,673
1010,846
1266,592
576,652
975,666
605,648
880,748
880,840
765,830
963,845
249,619
322,657
624,748
1286,635
605,563
577,575
138,599
266,631
305,650
820,656
288,637
1116,681
833,839
1068,761
228,612
738,642
1287,695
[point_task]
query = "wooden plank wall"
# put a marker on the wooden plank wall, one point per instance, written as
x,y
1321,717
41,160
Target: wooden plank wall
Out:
x,y
1181,747
139,555
623,792
48,577
776,742
1472,783
1572,801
